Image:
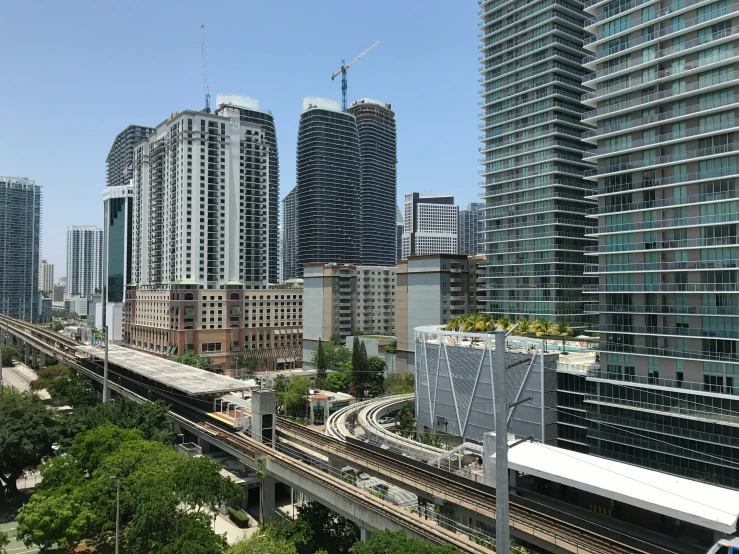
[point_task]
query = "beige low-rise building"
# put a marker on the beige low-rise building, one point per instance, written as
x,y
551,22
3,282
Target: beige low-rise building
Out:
x,y
236,328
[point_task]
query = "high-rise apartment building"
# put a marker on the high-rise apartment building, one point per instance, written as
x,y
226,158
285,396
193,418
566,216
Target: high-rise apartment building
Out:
x,y
290,235
431,225
201,202
328,185
399,227
535,205
84,260
471,226
119,163
20,241
343,298
250,112
378,155
662,101
45,277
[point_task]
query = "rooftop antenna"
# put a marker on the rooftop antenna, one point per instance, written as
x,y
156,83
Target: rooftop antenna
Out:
x,y
205,70
342,71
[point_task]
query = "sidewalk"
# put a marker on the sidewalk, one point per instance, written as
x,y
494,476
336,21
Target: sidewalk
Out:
x,y
233,533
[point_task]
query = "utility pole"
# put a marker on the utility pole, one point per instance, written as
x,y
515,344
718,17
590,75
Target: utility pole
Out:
x,y
117,511
104,297
502,531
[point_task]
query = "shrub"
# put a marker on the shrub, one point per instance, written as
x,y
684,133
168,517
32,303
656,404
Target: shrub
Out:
x,y
240,519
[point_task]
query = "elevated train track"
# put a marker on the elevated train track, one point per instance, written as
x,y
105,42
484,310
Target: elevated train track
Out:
x,y
563,536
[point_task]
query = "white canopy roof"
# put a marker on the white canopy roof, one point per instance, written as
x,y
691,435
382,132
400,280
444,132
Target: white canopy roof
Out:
x,y
690,501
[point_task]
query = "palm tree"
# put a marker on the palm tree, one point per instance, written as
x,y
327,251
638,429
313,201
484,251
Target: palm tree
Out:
x,y
543,327
562,328
504,322
524,327
455,323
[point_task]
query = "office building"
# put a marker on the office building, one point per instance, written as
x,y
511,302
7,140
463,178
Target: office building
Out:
x,y
343,298
201,202
535,205
399,235
117,206
45,277
59,293
431,290
328,185
471,227
431,224
250,112
662,103
290,235
20,238
119,163
235,327
378,155
84,260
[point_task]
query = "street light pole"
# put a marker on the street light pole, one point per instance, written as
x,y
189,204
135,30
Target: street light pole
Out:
x,y
117,511
502,531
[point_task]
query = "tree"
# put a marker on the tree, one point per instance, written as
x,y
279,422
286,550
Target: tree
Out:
x,y
336,339
275,537
543,327
360,369
321,364
504,322
331,532
562,328
10,354
340,379
167,500
73,390
524,327
399,383
386,542
27,431
4,541
47,375
375,377
196,360
56,326
296,396
405,420
333,353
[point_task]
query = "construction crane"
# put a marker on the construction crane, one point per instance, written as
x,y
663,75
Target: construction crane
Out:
x,y
205,70
342,71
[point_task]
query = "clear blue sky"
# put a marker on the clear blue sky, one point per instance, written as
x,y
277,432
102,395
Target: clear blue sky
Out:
x,y
76,73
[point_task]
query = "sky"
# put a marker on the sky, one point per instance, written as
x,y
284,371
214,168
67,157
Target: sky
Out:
x,y
76,73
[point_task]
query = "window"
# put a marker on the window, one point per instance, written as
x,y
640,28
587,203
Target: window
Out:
x,y
211,347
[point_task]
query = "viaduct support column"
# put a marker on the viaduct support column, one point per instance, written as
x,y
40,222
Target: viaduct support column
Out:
x,y
268,498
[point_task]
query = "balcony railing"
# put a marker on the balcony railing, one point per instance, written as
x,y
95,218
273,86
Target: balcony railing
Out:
x,y
667,309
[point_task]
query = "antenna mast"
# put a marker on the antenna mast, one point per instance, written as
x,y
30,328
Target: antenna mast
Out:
x,y
205,70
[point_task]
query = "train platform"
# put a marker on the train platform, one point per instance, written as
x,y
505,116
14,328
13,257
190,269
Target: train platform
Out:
x,y
179,377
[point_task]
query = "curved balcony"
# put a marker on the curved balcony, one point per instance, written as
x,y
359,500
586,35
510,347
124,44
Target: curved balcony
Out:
x,y
622,9
667,202
660,266
662,245
697,220
668,309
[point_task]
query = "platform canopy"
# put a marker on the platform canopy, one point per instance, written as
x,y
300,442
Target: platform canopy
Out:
x,y
190,380
707,506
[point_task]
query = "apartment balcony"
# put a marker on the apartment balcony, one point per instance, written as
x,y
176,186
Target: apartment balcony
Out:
x,y
662,245
619,348
663,287
664,223
663,331
665,309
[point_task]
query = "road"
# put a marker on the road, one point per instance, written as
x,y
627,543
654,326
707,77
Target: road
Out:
x,y
18,376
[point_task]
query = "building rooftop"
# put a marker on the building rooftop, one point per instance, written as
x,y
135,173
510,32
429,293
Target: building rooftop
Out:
x,y
690,501
184,378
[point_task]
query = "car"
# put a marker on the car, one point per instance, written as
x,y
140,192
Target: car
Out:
x,y
386,419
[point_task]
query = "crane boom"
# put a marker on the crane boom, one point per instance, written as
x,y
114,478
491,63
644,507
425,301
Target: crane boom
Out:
x,y
205,70
342,72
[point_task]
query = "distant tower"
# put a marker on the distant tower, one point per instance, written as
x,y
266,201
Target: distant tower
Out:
x,y
84,260
399,234
471,229
290,235
45,277
20,232
378,155
431,225
328,185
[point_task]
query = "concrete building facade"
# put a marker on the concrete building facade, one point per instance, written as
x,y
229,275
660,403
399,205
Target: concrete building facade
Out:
x,y
84,260
250,112
229,325
431,224
534,191
431,290
661,100
20,244
378,154
202,202
328,185
118,230
399,227
471,229
345,298
290,235
45,276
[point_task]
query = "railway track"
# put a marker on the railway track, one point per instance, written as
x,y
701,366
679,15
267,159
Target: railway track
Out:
x,y
405,519
561,533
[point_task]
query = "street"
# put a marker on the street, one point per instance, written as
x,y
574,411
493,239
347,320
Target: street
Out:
x,y
18,376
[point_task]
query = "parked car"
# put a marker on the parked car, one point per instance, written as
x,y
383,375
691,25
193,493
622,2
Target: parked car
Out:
x,y
386,419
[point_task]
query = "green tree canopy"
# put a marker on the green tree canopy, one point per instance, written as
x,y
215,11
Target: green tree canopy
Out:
x,y
296,396
321,363
399,383
167,499
10,354
72,389
391,542
331,532
47,375
334,354
27,431
405,420
4,541
340,379
375,378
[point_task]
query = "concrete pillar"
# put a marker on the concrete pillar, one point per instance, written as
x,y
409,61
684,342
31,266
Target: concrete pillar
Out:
x,y
512,476
42,357
268,498
25,353
365,534
204,445
335,466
